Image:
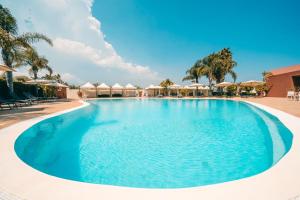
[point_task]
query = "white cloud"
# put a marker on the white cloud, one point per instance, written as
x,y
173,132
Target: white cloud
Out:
x,y
78,41
67,77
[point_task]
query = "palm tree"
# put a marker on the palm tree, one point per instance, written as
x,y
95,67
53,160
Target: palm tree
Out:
x,y
165,84
223,64
36,62
207,67
194,73
13,45
266,75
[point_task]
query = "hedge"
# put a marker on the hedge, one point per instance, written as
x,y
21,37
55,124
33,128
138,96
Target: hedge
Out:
x,y
20,87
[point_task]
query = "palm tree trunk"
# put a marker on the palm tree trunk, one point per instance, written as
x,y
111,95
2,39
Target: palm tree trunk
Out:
x,y
35,75
9,75
10,83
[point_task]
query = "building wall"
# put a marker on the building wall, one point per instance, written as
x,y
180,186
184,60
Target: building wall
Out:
x,y
281,84
72,93
61,93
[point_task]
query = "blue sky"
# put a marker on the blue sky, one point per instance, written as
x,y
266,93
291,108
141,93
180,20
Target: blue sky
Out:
x,y
170,35
146,41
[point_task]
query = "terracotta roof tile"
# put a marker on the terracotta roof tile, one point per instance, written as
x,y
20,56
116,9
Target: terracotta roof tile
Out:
x,y
285,70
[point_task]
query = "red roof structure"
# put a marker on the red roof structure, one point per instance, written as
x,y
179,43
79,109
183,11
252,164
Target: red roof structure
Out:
x,y
283,80
285,70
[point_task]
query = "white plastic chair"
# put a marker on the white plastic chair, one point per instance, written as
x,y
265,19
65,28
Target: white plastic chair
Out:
x,y
291,95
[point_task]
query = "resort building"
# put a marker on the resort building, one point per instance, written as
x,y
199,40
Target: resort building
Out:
x,y
283,80
60,89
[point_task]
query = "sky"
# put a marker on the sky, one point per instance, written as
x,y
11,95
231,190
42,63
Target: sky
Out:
x,y
146,41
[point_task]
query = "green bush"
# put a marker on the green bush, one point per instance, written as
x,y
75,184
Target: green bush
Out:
x,y
262,88
231,90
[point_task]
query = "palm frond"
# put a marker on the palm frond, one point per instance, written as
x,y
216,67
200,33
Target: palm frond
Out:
x,y
7,21
233,75
188,78
35,37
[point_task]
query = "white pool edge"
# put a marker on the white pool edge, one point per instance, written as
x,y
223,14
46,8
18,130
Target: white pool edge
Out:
x,y
281,182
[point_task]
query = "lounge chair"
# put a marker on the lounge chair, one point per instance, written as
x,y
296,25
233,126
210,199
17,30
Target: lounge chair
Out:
x,y
4,105
29,97
12,103
34,98
22,100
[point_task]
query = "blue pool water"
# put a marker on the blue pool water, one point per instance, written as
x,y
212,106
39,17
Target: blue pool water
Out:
x,y
156,143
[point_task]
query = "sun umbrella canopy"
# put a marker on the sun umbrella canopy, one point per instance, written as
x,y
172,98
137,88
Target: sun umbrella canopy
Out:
x,y
157,87
88,85
103,86
150,87
6,68
196,85
188,87
252,83
57,85
39,81
130,86
117,86
224,84
174,86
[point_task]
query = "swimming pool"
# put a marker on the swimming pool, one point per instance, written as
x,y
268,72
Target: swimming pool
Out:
x,y
156,143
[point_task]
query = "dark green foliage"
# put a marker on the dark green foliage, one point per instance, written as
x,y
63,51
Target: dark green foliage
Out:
x,y
20,88
231,90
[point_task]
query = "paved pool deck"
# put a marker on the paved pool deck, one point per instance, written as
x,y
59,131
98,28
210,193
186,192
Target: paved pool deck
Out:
x,y
20,181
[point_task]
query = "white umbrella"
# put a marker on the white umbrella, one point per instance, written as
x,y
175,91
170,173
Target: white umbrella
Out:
x,y
158,87
196,85
252,83
174,86
57,85
6,68
40,81
188,87
130,87
103,86
117,86
88,85
224,84
150,87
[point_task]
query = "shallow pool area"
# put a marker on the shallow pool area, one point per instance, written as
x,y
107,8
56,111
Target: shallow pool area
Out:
x,y
156,143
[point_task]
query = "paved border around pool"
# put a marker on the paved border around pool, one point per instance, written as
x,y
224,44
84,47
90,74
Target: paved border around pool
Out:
x,y
280,182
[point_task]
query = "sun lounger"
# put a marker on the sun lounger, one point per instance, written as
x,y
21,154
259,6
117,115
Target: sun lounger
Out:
x,y
4,105
11,103
22,100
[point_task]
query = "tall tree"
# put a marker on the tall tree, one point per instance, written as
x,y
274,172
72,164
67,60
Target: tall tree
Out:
x,y
194,73
36,62
266,75
165,84
13,45
223,64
